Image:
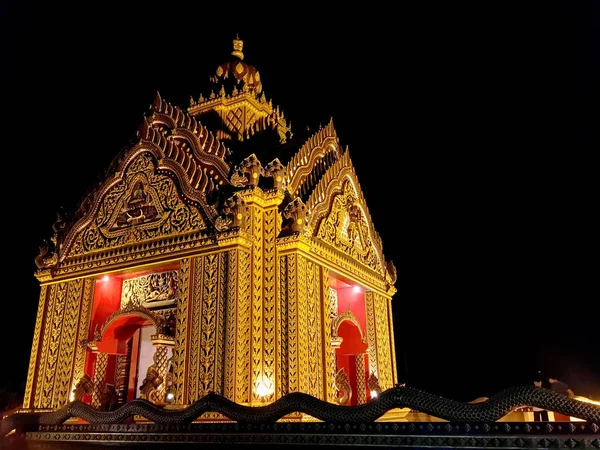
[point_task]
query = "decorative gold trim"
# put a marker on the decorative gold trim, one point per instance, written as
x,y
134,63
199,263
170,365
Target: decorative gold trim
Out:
x,y
130,309
347,316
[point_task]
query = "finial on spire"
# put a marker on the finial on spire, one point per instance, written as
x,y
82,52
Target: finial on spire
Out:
x,y
238,44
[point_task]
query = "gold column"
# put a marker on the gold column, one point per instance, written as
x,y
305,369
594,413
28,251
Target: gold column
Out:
x,y
207,306
243,331
371,333
361,384
292,335
51,345
282,327
270,230
392,342
384,357
304,374
328,350
122,367
35,357
231,326
63,381
257,301
83,332
99,379
314,341
181,334
161,360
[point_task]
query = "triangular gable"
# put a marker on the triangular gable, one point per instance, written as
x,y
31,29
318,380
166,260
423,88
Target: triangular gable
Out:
x,y
136,205
338,215
160,186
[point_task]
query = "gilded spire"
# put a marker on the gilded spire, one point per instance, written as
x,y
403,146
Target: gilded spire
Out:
x,y
238,44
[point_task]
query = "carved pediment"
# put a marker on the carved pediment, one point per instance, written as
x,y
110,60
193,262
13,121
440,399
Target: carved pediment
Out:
x,y
340,218
346,228
140,204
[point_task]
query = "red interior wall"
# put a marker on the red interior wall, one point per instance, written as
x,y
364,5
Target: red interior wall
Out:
x,y
348,297
107,299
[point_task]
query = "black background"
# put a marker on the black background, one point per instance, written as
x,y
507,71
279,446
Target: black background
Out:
x,y
473,128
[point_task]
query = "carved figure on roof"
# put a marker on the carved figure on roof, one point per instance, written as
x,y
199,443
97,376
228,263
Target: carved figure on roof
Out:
x,y
234,213
248,172
296,214
46,258
275,170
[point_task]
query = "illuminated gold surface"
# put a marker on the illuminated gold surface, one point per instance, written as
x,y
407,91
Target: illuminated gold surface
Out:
x,y
255,317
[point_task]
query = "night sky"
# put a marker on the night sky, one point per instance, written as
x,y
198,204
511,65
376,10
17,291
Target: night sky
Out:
x,y
472,126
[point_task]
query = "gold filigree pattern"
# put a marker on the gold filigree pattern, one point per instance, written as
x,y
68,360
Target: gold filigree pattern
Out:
x,y
340,180
346,228
257,302
329,312
361,385
81,350
208,314
315,376
157,319
231,326
384,357
303,369
142,206
68,345
39,382
282,337
152,290
293,345
371,336
243,366
253,309
34,358
195,345
392,343
181,335
52,362
349,316
316,147
99,379
121,371
219,387
270,232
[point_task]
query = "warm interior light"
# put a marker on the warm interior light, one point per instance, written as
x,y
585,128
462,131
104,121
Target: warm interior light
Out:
x,y
105,278
170,397
262,389
373,394
356,289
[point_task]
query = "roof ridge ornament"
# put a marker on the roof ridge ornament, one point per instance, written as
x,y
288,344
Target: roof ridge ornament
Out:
x,y
238,45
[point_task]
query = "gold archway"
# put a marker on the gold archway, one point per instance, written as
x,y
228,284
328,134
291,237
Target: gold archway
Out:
x,y
347,316
130,309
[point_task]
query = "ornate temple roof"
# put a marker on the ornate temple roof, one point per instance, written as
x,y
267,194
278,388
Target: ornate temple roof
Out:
x,y
237,70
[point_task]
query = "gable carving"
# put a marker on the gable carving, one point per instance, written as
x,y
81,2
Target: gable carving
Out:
x,y
347,228
143,204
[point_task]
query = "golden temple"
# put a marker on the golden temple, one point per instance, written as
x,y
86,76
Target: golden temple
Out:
x,y
224,253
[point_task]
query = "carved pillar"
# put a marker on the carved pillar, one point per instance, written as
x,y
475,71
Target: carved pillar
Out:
x,y
99,379
122,367
155,382
361,384
304,332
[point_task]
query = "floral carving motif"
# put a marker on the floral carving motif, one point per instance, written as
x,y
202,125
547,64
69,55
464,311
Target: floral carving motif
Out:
x,y
143,205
